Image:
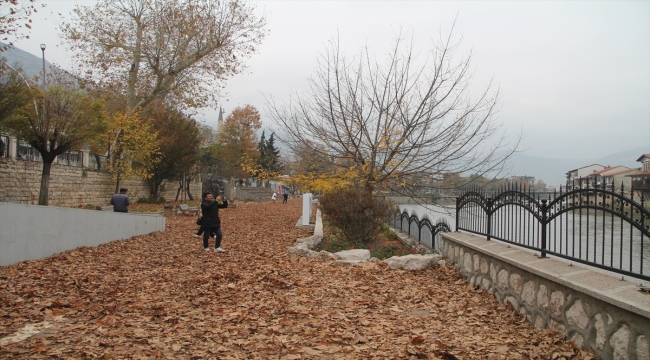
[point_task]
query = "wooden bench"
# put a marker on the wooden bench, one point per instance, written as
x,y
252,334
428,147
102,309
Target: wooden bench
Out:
x,y
185,209
105,208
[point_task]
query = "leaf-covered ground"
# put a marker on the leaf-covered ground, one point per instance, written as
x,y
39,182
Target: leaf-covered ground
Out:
x,y
162,296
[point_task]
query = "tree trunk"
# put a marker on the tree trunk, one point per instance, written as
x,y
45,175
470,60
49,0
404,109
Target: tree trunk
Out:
x,y
156,189
117,184
98,160
43,195
178,192
189,194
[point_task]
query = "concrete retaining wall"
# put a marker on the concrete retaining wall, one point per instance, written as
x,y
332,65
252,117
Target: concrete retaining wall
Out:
x,y
29,232
71,186
591,308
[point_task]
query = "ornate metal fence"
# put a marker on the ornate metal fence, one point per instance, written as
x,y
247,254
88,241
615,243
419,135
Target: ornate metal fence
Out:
x,y
97,162
69,159
595,226
27,152
422,230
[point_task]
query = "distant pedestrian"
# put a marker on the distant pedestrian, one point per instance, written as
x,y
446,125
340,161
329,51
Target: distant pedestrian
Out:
x,y
274,196
121,201
211,224
285,197
241,182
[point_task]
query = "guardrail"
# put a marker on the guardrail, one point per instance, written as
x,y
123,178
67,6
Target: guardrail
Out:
x,y
594,226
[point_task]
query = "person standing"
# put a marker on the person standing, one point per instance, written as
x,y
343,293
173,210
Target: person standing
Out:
x,y
285,197
121,201
211,224
273,197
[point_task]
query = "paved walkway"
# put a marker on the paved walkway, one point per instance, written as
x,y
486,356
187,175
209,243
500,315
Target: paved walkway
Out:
x,y
162,296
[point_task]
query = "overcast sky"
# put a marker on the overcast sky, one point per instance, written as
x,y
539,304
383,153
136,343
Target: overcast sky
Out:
x,y
574,76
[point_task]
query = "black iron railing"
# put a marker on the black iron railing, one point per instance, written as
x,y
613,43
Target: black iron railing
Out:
x,y
423,230
597,226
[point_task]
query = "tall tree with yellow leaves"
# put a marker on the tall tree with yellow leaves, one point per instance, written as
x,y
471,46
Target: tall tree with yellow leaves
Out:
x,y
134,152
237,141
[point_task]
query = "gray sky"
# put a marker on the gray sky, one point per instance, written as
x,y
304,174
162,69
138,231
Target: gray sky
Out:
x,y
574,76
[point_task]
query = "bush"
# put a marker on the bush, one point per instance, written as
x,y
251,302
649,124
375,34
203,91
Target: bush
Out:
x,y
144,200
355,213
382,246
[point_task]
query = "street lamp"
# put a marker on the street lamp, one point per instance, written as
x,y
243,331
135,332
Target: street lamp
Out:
x,y
43,50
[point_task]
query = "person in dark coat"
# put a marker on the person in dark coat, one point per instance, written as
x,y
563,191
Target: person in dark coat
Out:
x,y
211,223
121,201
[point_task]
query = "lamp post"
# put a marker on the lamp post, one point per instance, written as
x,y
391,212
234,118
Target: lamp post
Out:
x,y
43,51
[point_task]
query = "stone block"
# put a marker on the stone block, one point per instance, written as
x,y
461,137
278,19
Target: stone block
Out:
x,y
556,326
354,254
476,259
542,298
512,301
484,265
503,279
642,349
413,262
528,293
579,340
557,303
540,323
620,342
493,273
577,316
467,263
515,282
486,284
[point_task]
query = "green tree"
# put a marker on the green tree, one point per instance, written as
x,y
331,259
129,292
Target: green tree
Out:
x,y
15,93
64,119
176,50
179,140
269,159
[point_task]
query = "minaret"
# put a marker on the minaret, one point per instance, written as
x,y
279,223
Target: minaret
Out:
x,y
219,120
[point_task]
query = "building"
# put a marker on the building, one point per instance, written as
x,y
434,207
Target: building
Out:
x,y
640,179
576,178
610,178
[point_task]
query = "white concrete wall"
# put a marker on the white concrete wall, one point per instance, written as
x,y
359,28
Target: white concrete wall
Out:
x,y
29,232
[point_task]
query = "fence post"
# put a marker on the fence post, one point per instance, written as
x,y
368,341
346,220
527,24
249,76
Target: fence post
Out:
x,y
489,218
457,212
544,220
12,148
85,157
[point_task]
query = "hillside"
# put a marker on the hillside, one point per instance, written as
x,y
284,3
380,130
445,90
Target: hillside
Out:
x,y
31,66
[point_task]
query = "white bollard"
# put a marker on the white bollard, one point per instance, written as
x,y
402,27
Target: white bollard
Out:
x,y
306,208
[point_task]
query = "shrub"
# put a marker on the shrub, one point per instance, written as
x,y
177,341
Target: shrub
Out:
x,y
355,213
144,200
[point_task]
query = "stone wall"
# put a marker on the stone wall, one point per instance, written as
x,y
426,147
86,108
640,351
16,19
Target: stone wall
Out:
x,y
20,182
593,309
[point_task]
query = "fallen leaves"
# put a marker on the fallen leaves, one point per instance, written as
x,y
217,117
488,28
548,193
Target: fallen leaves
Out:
x,y
162,296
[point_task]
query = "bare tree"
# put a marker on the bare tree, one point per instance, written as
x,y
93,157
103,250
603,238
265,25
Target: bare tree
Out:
x,y
14,16
396,120
178,50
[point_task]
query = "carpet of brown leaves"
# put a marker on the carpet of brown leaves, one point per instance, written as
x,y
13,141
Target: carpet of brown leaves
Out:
x,y
162,296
